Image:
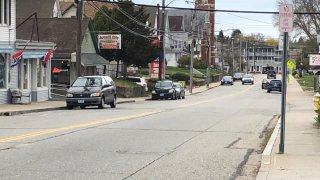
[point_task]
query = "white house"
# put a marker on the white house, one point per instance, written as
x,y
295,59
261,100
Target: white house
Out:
x,y
175,40
7,45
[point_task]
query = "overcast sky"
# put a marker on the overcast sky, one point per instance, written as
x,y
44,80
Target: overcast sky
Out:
x,y
247,23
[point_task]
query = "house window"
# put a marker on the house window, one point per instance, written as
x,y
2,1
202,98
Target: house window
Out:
x,y
5,12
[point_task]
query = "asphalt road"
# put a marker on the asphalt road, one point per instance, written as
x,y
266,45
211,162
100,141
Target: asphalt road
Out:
x,y
205,136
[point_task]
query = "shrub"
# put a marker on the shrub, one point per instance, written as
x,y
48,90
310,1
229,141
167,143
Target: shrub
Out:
x,y
184,61
180,77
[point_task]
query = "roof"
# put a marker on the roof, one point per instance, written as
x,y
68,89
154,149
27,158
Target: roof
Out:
x,y
43,8
61,31
176,23
92,59
89,11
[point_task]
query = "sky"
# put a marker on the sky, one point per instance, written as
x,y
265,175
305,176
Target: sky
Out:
x,y
247,23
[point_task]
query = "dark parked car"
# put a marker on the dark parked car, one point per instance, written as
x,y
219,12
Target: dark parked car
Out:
x,y
238,76
164,90
227,80
271,74
275,85
180,90
248,78
91,91
265,84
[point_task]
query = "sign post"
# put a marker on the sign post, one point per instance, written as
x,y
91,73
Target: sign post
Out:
x,y
285,26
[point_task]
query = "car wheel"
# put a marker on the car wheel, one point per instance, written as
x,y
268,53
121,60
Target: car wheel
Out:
x,y
69,107
242,83
183,96
268,91
153,98
82,107
173,97
114,103
101,105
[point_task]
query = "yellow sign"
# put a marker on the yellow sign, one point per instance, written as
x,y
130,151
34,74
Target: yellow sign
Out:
x,y
290,64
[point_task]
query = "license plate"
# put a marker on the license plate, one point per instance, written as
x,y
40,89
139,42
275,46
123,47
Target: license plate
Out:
x,y
81,101
161,94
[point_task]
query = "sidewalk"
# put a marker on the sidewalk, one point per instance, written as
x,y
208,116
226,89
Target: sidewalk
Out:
x,y
301,158
14,109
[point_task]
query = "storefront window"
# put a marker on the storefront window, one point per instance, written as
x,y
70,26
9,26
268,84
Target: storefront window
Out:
x,y
2,71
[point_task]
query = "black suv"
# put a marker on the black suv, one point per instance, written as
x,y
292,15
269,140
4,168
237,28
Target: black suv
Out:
x,y
275,85
271,74
164,90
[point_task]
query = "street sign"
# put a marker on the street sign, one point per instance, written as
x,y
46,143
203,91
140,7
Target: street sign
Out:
x,y
290,64
314,60
286,18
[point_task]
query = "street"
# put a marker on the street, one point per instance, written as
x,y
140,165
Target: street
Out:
x,y
205,136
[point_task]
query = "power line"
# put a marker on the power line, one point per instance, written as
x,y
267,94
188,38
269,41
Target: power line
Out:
x,y
207,10
248,18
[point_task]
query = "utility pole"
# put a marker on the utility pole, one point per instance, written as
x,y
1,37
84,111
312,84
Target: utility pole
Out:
x,y
207,63
232,39
240,49
192,51
254,59
247,57
79,32
208,50
162,56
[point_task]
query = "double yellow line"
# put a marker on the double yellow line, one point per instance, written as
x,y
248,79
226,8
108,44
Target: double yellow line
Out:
x,y
73,127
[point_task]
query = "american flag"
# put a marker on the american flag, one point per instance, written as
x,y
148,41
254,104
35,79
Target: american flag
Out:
x,y
16,58
46,57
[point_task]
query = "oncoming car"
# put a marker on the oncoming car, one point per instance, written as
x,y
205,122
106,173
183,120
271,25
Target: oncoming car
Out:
x,y
248,78
164,90
92,91
227,80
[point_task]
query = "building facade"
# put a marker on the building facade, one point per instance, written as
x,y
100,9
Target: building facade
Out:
x,y
7,46
26,73
208,33
263,57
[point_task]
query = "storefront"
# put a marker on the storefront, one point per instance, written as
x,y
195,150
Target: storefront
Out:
x,y
5,80
29,74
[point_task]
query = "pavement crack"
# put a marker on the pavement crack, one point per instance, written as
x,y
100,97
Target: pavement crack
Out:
x,y
239,168
233,143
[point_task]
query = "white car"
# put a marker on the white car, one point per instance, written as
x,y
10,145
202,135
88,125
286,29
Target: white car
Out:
x,y
248,78
138,80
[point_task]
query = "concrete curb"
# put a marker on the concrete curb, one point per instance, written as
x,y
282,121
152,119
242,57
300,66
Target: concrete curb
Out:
x,y
268,149
12,113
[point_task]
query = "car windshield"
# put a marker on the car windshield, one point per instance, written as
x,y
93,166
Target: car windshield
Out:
x,y
238,74
227,78
247,76
87,82
275,82
163,84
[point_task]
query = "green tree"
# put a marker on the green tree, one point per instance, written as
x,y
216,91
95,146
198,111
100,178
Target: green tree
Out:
x,y
136,41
